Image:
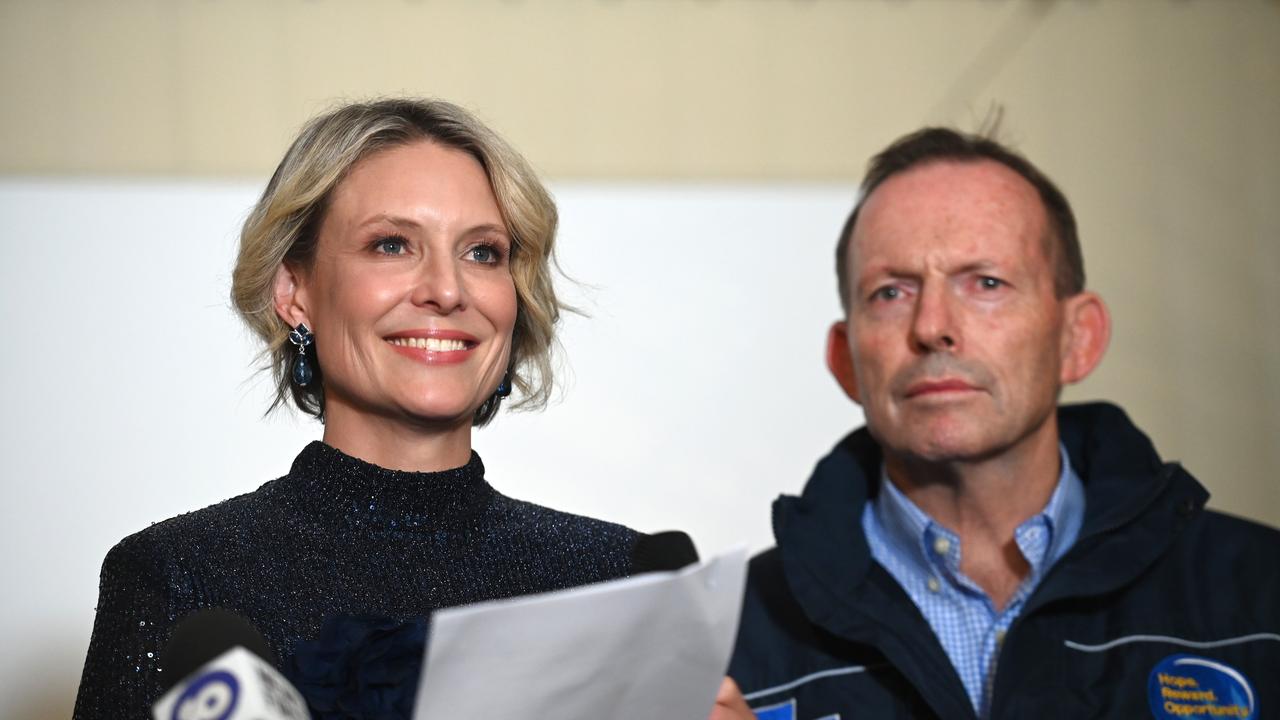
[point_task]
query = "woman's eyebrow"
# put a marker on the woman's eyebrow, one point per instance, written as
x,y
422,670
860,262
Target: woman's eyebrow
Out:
x,y
397,220
486,228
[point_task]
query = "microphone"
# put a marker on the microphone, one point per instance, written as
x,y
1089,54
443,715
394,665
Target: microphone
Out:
x,y
218,658
203,635
670,550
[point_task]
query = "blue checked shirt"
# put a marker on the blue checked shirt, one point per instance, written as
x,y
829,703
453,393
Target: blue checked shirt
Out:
x,y
924,557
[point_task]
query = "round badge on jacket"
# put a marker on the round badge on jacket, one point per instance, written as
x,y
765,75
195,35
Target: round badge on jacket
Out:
x,y
1189,686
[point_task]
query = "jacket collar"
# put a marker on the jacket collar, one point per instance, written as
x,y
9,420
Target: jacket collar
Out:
x,y
1135,504
1122,473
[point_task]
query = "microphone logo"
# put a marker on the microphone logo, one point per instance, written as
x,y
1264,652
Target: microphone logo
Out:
x,y
212,696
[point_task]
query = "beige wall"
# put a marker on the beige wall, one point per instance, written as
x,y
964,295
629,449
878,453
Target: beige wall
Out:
x,y
1158,117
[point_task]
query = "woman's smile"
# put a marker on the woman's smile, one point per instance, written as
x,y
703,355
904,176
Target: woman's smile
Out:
x,y
434,346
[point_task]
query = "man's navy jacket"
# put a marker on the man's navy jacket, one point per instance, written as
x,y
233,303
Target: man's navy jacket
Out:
x,y
827,633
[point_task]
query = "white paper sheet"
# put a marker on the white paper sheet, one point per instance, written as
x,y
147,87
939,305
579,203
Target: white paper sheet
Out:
x,y
650,647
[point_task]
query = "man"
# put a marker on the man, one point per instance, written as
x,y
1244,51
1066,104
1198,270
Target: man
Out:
x,y
977,550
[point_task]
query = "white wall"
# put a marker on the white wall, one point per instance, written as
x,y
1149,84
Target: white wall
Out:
x,y
695,392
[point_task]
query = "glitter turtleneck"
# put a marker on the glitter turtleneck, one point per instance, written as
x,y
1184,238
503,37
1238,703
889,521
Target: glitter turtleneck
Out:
x,y
335,535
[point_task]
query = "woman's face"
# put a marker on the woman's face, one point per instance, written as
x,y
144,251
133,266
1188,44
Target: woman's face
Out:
x,y
410,293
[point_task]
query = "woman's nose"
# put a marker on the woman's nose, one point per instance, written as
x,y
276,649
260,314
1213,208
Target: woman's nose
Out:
x,y
439,285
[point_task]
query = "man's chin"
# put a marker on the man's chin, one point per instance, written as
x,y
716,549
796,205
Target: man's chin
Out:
x,y
940,446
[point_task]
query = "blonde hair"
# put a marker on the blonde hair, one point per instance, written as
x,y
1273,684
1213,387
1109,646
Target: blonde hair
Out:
x,y
283,226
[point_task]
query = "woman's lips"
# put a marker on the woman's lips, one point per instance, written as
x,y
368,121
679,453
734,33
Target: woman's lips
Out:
x,y
433,346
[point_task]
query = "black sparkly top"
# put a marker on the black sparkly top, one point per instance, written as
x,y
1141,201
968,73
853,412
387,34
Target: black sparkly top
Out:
x,y
335,535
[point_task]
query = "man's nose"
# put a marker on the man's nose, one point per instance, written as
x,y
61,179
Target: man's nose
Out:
x,y
439,285
934,327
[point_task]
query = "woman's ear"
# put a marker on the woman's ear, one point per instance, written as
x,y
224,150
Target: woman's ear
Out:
x,y
289,297
840,359
1086,332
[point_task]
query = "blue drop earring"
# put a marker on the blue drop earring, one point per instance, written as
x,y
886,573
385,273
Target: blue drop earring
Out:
x,y
504,387
302,338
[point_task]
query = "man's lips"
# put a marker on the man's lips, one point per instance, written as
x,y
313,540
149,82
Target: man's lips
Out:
x,y
937,387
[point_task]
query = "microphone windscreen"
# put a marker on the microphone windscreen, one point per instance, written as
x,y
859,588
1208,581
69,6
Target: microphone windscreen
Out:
x,y
236,685
204,635
670,550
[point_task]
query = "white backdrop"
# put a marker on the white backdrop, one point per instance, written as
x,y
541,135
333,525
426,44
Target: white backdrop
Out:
x,y
694,392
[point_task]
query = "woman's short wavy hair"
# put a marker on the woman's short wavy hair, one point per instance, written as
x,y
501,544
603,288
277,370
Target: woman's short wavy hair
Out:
x,y
283,226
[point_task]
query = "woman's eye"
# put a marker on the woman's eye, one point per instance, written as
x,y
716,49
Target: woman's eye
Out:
x,y
390,246
486,254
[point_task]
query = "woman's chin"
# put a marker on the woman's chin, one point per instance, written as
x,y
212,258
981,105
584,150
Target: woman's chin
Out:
x,y
439,414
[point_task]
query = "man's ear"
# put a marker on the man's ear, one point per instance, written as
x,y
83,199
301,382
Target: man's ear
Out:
x,y
1086,332
289,297
840,359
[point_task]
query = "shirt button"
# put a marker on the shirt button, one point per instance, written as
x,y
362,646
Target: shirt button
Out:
x,y
934,585
941,545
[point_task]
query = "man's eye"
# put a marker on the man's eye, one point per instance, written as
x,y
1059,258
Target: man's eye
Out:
x,y
888,292
390,246
486,254
987,282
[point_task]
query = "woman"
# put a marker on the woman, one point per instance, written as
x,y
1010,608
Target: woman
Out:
x,y
397,269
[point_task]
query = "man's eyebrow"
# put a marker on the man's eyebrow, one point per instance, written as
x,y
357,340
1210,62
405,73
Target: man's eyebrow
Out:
x,y
976,265
876,275
882,271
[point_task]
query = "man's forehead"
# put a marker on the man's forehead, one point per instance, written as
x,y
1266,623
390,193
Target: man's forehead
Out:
x,y
978,207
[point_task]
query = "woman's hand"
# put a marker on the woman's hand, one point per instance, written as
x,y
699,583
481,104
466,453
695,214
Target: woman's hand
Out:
x,y
730,705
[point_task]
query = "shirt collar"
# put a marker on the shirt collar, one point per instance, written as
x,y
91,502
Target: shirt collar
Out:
x,y
913,534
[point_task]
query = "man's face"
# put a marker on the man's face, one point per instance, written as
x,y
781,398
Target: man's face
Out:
x,y
955,340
